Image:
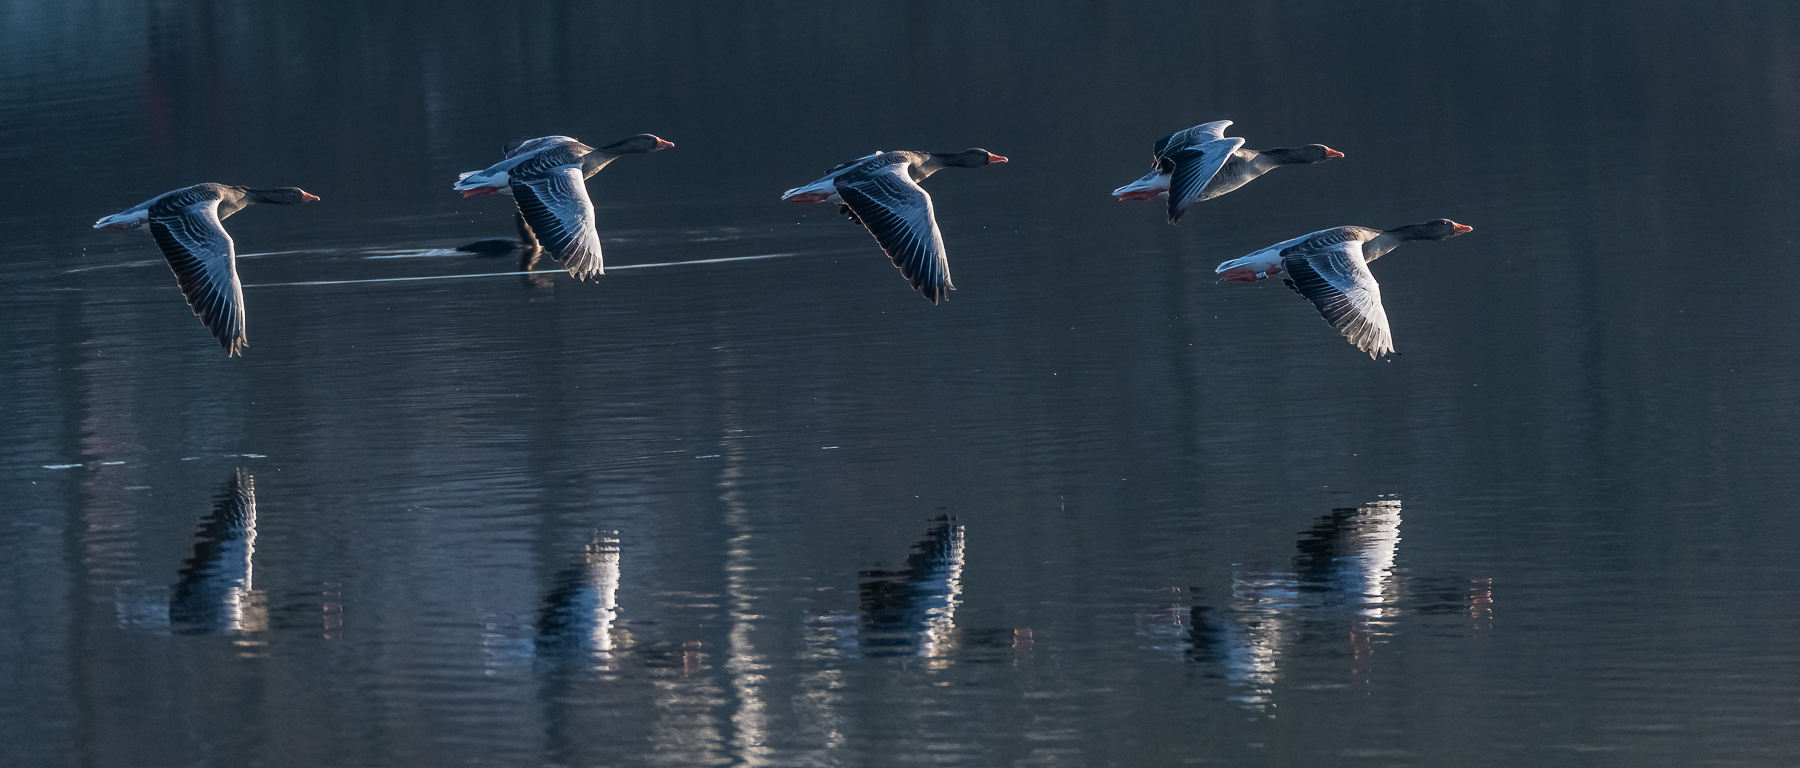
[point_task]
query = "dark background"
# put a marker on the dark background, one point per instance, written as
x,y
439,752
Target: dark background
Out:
x,y
1589,431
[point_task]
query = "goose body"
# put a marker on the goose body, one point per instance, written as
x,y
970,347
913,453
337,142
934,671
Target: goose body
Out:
x,y
1201,163
547,178
1330,268
187,225
825,189
497,177
133,219
881,193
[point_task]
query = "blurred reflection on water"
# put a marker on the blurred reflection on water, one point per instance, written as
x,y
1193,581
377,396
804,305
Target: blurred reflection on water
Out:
x,y
913,611
576,620
1343,587
214,593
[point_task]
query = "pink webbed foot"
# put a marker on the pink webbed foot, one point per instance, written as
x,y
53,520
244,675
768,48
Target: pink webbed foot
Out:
x,y
480,191
1248,275
810,197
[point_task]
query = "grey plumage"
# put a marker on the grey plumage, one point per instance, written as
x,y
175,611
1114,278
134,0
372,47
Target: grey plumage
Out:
x,y
546,178
898,212
1328,269
188,226
881,193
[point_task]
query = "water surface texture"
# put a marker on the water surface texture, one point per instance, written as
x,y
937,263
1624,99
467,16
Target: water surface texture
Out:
x,y
1094,510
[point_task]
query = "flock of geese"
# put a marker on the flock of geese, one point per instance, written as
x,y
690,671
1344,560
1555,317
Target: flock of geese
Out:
x,y
546,178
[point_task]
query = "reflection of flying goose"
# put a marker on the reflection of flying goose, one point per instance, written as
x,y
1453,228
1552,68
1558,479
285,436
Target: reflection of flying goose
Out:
x,y
506,246
578,613
1344,561
1257,630
881,193
1201,164
1330,268
547,178
213,588
913,611
1349,555
187,224
1348,560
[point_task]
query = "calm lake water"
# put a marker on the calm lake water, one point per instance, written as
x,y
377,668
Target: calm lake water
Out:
x,y
1096,510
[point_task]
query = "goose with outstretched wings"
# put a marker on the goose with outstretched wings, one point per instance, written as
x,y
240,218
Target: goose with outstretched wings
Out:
x,y
881,193
547,178
1200,163
188,225
1330,268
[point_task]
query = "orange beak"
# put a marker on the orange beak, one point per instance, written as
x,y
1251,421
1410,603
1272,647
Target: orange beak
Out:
x,y
1461,229
993,158
664,143
308,197
1331,153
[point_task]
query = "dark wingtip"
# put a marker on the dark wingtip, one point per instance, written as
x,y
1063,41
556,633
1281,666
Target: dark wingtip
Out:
x,y
936,292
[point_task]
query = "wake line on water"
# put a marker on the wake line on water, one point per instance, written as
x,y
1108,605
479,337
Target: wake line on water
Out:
x,y
528,272
148,262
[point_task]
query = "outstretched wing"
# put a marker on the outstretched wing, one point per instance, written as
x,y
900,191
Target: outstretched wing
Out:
x,y
555,203
898,213
518,147
1328,269
1195,166
841,167
1197,135
187,229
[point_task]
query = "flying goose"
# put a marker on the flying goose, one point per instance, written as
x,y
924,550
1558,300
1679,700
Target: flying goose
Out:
x,y
1201,164
1330,268
881,193
187,226
546,177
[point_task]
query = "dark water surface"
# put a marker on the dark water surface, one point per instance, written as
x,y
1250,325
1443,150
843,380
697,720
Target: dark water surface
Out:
x,y
1094,510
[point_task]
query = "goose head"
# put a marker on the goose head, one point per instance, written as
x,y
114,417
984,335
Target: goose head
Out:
x,y
1436,229
281,196
1303,155
637,145
968,158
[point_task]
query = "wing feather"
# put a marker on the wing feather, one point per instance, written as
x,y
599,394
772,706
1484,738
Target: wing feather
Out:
x,y
555,203
1330,272
204,259
1195,136
898,212
1195,167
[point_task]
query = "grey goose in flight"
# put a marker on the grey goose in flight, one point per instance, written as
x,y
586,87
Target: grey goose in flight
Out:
x,y
1201,164
188,226
547,178
1330,268
881,193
